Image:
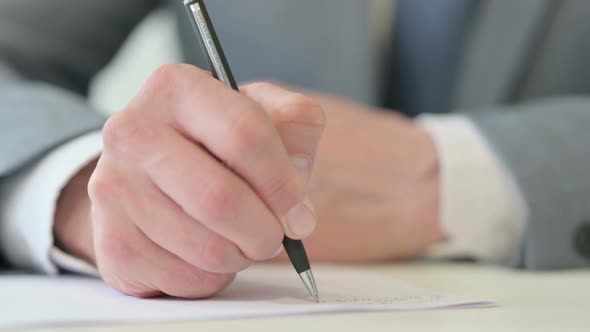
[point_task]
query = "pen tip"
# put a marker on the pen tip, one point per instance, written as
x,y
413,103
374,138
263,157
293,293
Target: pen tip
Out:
x,y
309,282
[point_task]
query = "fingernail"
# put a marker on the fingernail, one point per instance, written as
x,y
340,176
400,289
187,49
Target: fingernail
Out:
x,y
278,252
302,164
300,220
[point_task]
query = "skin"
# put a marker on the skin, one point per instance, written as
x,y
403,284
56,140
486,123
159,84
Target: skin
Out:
x,y
193,175
375,186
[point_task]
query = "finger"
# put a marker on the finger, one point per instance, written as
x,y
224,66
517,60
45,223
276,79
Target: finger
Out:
x,y
130,262
168,225
209,192
300,122
236,130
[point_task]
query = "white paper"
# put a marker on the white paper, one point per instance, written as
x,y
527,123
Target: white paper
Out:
x,y
35,301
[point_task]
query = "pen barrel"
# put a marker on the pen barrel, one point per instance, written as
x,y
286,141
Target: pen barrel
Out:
x,y
201,22
296,252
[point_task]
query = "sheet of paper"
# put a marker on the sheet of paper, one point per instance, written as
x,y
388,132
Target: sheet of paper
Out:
x,y
33,301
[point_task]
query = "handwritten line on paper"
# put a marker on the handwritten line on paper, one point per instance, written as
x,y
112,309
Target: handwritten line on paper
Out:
x,y
413,299
259,292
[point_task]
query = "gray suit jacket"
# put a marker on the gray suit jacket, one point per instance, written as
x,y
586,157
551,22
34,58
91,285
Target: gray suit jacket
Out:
x,y
521,78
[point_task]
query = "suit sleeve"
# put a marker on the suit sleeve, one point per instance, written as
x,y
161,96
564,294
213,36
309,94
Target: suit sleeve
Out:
x,y
546,146
49,52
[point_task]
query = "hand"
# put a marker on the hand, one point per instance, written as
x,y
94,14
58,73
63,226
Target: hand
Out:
x,y
196,181
375,186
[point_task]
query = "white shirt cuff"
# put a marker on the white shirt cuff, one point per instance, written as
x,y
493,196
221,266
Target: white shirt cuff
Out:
x,y
28,210
483,211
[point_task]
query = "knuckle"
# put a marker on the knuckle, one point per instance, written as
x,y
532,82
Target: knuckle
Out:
x,y
260,86
222,201
303,109
164,78
101,189
248,132
114,131
128,135
167,79
214,255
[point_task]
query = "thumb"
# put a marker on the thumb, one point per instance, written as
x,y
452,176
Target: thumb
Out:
x,y
299,120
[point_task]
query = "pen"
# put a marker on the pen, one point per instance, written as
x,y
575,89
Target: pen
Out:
x,y
202,24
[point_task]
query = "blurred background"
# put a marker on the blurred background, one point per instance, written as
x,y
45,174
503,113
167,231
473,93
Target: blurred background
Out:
x,y
153,43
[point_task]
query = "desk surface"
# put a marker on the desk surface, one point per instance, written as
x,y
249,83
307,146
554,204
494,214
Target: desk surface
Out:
x,y
528,301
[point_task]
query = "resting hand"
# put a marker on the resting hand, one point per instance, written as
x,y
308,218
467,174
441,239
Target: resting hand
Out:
x,y
375,186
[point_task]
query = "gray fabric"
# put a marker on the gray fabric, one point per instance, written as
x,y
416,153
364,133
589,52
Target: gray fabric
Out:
x,y
52,116
62,43
503,41
428,36
521,54
65,42
7,74
545,143
518,50
323,45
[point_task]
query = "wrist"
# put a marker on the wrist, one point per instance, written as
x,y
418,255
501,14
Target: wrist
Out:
x,y
415,196
73,228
